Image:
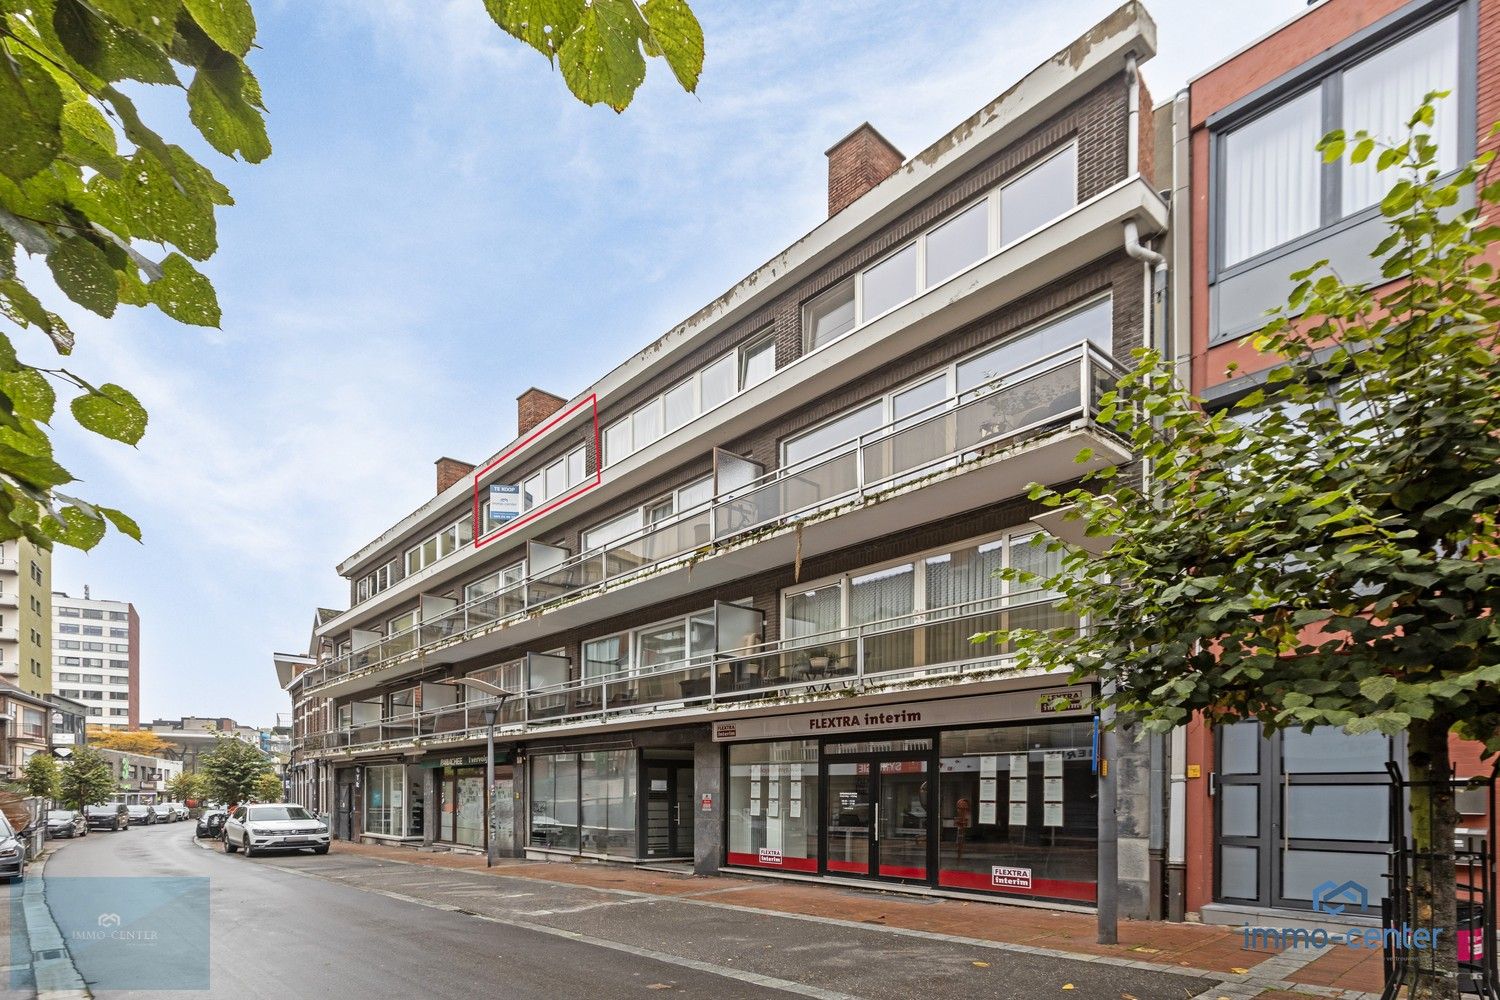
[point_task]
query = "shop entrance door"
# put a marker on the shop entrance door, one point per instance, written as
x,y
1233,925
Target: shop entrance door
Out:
x,y
669,809
878,810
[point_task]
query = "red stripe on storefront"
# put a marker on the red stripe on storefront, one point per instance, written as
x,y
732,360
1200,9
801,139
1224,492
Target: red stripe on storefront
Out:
x,y
902,871
1050,888
857,867
787,864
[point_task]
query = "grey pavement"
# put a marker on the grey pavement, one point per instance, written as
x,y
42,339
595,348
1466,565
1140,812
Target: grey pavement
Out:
x,y
350,926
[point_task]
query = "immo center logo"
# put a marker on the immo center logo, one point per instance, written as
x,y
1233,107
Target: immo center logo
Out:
x,y
1339,899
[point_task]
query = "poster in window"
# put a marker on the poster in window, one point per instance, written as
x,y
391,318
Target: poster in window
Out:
x,y
1017,764
774,771
1052,814
1018,814
1018,789
773,807
755,805
1053,790
989,788
988,765
754,772
986,813
1052,765
794,809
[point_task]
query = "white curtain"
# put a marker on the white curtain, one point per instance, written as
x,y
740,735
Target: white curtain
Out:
x,y
1380,95
1271,171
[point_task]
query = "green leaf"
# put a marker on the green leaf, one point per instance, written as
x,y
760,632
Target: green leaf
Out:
x,y
184,294
602,61
31,109
112,412
108,49
224,103
123,522
679,37
83,273
230,23
543,24
155,19
72,526
31,395
1378,687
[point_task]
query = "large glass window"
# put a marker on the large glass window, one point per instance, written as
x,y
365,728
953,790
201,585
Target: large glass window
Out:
x,y
957,243
1039,195
829,316
835,432
889,283
773,805
1271,178
1093,323
385,800
813,612
1273,175
585,802
1018,811
718,381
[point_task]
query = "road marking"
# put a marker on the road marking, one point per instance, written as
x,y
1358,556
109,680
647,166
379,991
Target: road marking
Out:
x,y
724,972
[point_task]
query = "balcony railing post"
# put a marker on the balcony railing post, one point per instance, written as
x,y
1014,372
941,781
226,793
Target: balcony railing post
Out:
x,y
859,656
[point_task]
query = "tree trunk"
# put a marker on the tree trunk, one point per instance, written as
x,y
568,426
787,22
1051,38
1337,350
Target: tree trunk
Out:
x,y
1433,974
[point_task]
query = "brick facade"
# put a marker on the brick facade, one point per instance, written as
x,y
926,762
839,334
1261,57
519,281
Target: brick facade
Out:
x,y
858,162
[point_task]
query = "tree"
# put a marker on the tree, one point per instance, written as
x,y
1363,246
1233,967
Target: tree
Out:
x,y
185,787
41,776
86,184
86,779
268,788
138,741
1325,555
231,769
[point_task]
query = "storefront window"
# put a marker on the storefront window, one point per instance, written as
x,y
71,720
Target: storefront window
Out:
x,y
773,805
1019,811
585,802
385,800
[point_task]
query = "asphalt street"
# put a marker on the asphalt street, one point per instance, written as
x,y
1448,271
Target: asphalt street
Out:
x,y
346,926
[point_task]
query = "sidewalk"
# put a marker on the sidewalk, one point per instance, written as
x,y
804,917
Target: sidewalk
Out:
x,y
1336,972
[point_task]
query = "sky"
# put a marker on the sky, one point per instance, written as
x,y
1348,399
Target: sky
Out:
x,y
442,225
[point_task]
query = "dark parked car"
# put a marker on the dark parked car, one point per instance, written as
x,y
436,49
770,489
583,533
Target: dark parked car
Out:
x,y
211,823
109,816
66,823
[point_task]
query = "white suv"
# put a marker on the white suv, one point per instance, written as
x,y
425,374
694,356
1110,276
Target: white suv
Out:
x,y
281,826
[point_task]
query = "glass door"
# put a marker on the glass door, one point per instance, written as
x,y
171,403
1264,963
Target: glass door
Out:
x,y
879,816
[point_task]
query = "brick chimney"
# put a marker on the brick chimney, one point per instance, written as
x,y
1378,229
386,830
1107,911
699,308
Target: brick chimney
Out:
x,y
856,163
533,406
450,471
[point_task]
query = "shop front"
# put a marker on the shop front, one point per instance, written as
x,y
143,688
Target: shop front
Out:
x,y
463,802
991,793
389,797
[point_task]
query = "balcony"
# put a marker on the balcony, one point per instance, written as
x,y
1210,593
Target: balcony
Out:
x,y
1026,426
910,651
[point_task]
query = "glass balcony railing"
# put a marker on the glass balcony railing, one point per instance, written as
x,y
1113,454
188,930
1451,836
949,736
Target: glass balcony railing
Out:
x,y
930,644
1049,392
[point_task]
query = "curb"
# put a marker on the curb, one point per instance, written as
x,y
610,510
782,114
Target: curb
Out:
x,y
52,965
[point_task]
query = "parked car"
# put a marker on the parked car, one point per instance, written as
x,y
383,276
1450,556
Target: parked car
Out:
x,y
109,816
141,813
211,823
281,826
164,812
12,851
181,809
66,823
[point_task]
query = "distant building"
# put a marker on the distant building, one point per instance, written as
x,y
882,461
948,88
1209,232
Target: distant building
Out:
x,y
24,729
69,721
97,649
142,778
25,616
193,735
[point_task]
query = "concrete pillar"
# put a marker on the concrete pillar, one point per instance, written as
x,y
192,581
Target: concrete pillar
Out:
x,y
708,826
430,812
1132,769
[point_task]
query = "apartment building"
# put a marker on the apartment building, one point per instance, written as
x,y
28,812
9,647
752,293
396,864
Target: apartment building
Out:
x,y
309,775
729,587
24,729
97,650
25,615
141,777
1264,820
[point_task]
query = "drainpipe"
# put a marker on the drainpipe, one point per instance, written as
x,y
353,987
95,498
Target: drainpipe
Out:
x,y
1177,829
1109,830
1132,117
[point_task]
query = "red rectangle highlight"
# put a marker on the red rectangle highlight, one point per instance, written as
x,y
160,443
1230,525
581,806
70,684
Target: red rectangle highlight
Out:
x,y
591,402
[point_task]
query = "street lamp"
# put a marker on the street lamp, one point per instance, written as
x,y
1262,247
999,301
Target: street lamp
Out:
x,y
491,713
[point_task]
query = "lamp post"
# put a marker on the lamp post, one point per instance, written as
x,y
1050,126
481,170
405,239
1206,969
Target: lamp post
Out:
x,y
491,713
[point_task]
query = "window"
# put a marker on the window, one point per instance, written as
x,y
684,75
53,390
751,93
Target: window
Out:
x,y
1274,181
93,630
773,805
757,363
832,433
611,530
829,316
120,633
682,499
616,441
68,612
645,424
386,810
1093,322
68,678
67,629
585,802
119,647
889,283
718,382
68,644
447,540
680,405
116,616
957,243
92,613
1039,195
